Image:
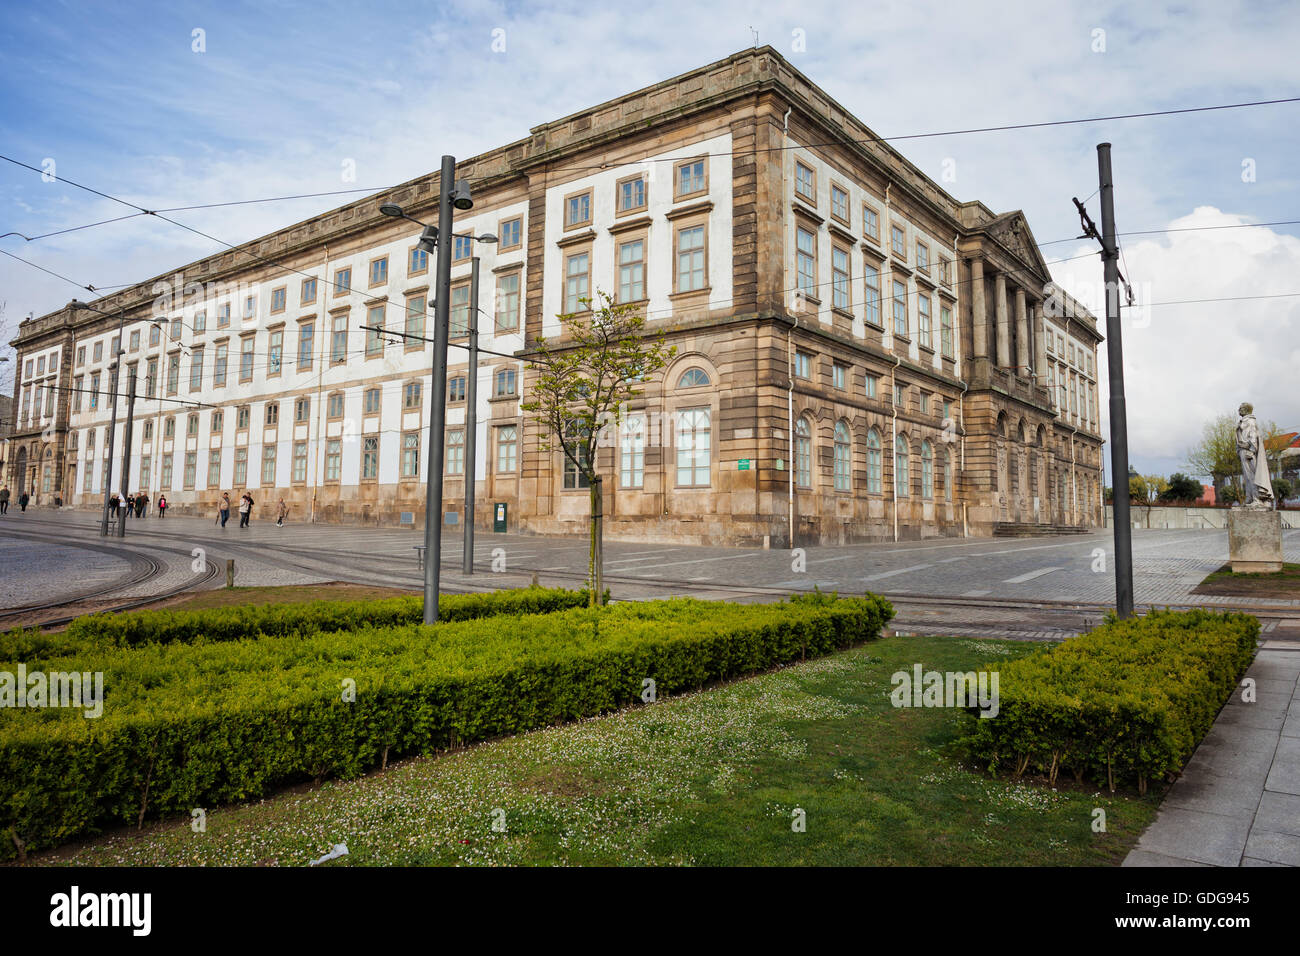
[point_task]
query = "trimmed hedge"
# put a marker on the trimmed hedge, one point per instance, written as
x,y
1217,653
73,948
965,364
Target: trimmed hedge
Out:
x,y
205,724
136,628
1127,702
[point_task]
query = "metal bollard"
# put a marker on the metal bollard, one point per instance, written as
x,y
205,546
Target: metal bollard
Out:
x,y
230,572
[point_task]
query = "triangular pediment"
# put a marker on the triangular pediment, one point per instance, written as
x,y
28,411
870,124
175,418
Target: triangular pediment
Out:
x,y
1011,231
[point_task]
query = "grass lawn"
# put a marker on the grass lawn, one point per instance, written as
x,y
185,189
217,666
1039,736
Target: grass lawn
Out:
x,y
711,778
1279,584
283,594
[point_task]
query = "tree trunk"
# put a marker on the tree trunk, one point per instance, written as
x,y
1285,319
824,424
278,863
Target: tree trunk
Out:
x,y
596,562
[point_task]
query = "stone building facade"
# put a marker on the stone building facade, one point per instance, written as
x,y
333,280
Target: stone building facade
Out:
x,y
859,356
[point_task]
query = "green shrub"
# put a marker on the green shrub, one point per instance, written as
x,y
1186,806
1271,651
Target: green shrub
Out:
x,y
1127,702
204,724
136,628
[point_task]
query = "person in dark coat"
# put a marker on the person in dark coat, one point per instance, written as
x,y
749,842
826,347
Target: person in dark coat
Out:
x,y
23,499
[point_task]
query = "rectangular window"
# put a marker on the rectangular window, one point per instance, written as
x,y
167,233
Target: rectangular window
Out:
x,y
923,257
805,182
415,309
945,270
505,382
455,455
631,464
217,424
342,281
146,471
577,279
507,448
191,467
838,375
900,395
75,400
871,223
268,465
693,448
840,204
945,330
511,235
306,346
412,395
241,467
308,292
250,308
925,403
806,262
576,460
374,338
135,338
462,248
334,405
418,264
81,356
299,461
94,391
275,352
898,241
460,304
872,298
630,194
456,389
333,459
690,259
175,334
173,373
272,416
196,370
339,340
507,311
631,270
192,425
379,271
577,210
370,457
223,320
372,401
218,366
802,365
690,179
873,384
166,472
246,346
923,322
243,415
900,309
277,299
840,278
410,454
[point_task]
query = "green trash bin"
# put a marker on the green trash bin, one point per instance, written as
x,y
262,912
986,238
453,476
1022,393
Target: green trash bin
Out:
x,y
499,513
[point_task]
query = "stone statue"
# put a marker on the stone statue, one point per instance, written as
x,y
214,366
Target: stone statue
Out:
x,y
1254,463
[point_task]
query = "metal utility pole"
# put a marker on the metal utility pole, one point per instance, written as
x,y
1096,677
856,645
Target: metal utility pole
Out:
x,y
471,422
126,453
1118,414
112,428
438,400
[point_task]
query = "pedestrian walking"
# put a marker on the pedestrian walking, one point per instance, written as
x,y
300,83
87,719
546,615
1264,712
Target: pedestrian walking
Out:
x,y
245,509
281,513
223,509
162,506
23,499
142,505
114,503
4,500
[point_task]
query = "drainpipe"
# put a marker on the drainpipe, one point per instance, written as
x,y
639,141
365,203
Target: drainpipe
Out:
x,y
961,410
789,395
893,437
318,458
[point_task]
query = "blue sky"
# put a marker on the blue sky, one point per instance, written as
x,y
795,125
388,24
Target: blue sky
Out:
x,y
285,97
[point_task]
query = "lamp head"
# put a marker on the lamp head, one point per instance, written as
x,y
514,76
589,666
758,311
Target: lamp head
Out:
x,y
460,195
428,239
392,209
487,237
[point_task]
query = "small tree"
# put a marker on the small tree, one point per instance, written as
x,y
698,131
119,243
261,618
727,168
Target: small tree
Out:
x,y
1282,490
1146,489
584,381
1181,488
1216,453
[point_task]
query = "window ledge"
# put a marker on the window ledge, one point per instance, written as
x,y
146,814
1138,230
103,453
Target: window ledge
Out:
x,y
694,208
577,238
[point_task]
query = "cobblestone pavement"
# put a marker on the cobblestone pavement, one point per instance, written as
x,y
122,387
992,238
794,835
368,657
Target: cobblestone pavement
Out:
x,y
1237,802
33,572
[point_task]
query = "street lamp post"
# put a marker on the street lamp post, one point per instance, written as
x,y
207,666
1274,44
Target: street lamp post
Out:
x,y
112,428
126,453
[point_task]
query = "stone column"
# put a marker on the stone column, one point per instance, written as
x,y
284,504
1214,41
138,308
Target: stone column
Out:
x,y
1004,325
1040,350
980,338
1022,334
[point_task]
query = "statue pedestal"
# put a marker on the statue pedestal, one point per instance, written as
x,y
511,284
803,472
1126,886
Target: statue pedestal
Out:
x,y
1254,541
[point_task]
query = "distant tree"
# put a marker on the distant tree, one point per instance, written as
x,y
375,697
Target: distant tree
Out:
x,y
1181,488
1229,495
1282,489
1216,454
1108,495
585,379
1146,490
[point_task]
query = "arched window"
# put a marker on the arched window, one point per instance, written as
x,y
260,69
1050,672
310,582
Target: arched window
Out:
x,y
900,466
693,378
873,462
947,475
843,458
927,470
803,453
